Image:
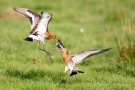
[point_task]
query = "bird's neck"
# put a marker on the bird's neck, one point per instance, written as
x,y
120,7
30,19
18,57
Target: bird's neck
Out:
x,y
65,53
66,57
49,35
52,35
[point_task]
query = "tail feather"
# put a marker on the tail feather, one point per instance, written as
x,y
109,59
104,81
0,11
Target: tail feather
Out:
x,y
75,72
33,37
80,71
29,39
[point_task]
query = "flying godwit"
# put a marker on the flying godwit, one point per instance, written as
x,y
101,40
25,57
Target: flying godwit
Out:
x,y
39,27
72,60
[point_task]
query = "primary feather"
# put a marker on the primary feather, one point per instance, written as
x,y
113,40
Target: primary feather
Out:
x,y
39,23
79,57
31,15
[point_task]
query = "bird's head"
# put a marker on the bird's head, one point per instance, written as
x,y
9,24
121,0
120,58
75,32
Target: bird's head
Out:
x,y
60,46
46,15
64,50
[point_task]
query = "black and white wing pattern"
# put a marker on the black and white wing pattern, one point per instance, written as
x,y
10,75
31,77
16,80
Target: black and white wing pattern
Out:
x,y
43,24
33,17
79,57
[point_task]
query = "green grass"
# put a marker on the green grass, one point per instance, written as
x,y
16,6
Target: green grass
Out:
x,y
125,43
24,67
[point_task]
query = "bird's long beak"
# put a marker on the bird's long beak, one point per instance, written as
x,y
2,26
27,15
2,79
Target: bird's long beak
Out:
x,y
56,40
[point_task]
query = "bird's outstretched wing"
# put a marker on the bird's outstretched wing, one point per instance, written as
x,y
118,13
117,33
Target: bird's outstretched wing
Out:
x,y
79,57
43,24
33,17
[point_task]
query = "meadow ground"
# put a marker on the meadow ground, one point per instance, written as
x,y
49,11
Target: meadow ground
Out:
x,y
106,24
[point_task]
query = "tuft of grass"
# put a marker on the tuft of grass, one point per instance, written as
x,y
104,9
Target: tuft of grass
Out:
x,y
125,43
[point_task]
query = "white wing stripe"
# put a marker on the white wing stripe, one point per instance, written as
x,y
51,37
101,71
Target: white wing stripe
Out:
x,y
32,17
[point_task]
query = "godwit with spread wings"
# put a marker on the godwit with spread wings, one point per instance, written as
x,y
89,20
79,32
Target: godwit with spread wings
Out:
x,y
72,60
39,26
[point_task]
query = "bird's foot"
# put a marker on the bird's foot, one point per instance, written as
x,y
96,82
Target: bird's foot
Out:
x,y
48,53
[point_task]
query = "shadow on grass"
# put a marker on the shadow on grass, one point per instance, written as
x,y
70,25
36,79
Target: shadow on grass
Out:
x,y
25,75
33,74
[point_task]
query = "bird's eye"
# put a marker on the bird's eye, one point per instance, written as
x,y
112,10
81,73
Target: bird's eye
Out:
x,y
47,16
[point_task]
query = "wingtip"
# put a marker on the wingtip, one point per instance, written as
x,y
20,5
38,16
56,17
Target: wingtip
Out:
x,y
108,49
14,8
19,9
104,50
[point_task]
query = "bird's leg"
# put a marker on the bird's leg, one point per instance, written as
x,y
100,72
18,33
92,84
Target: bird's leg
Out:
x,y
68,80
39,45
62,79
45,50
49,54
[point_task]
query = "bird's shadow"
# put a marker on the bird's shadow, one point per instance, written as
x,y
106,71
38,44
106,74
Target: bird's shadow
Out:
x,y
32,74
37,75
